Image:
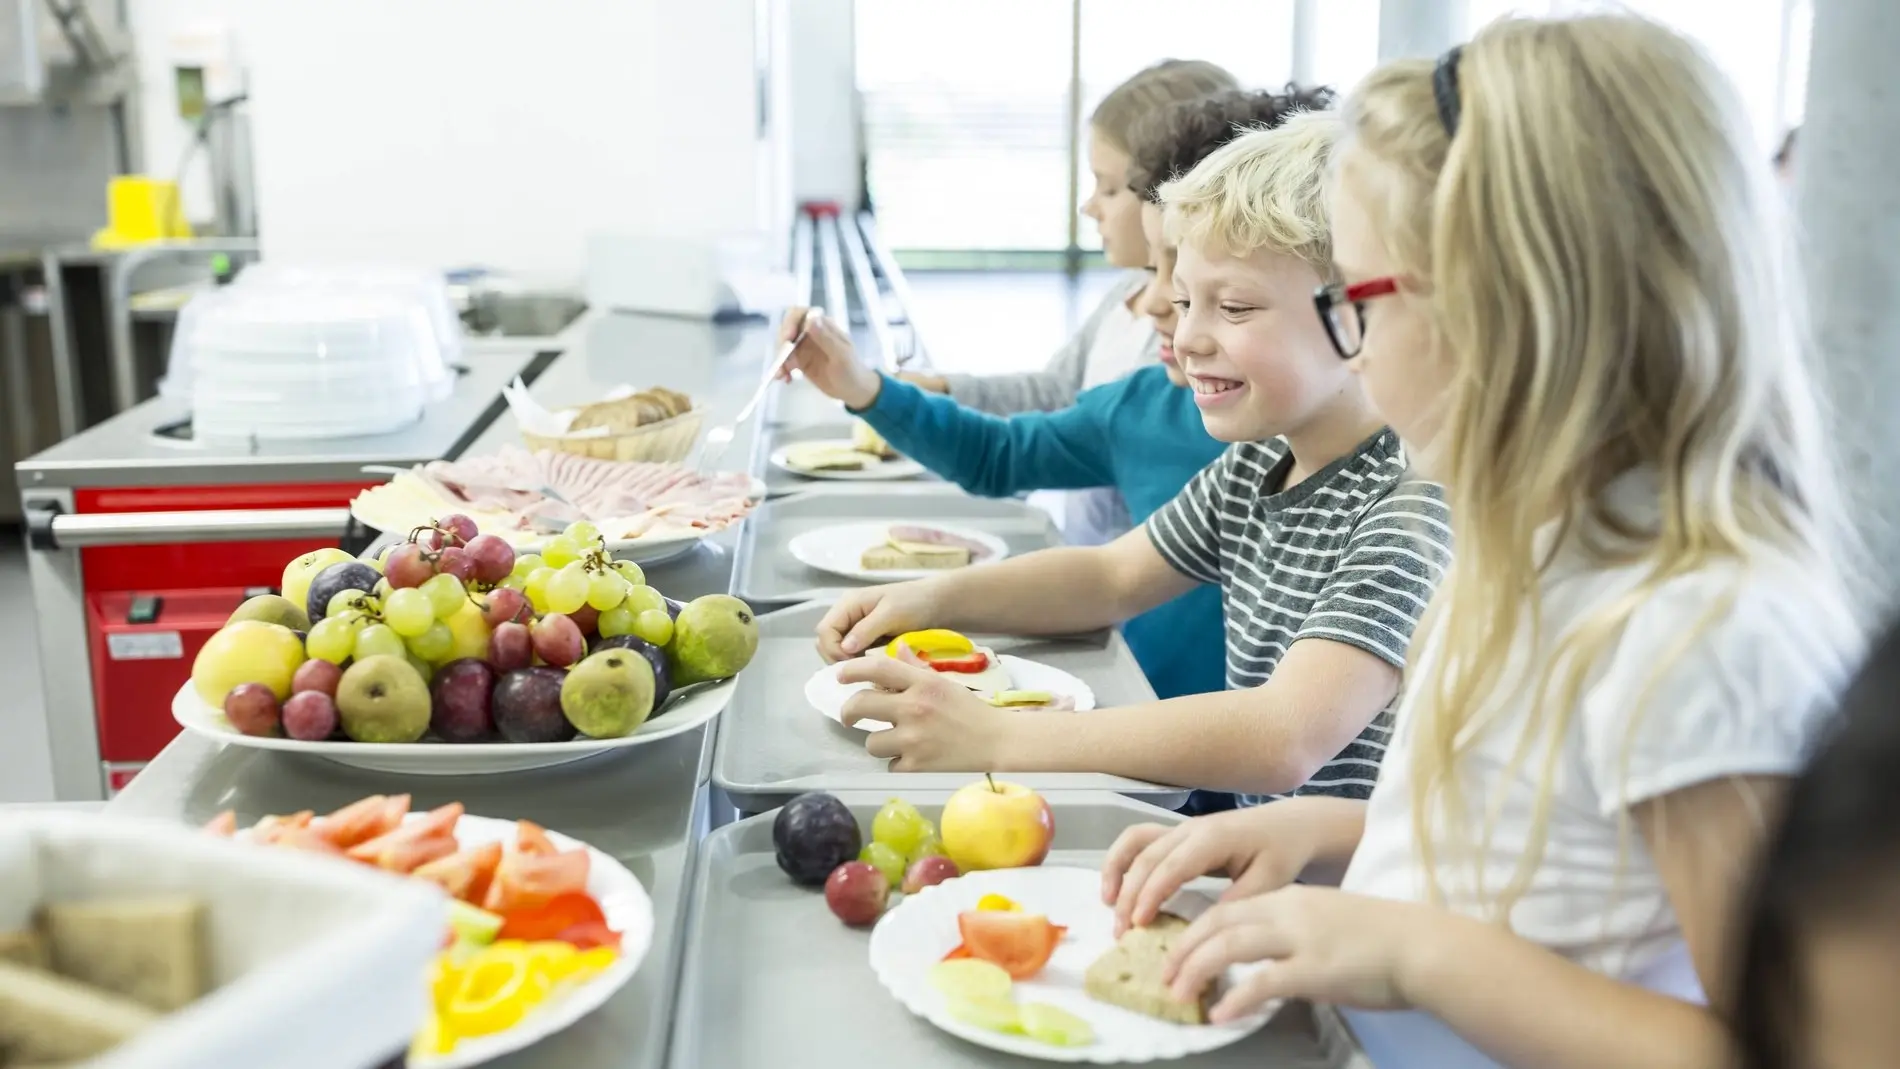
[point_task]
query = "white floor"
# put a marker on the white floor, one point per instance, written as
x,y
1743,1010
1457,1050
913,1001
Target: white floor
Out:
x,y
983,322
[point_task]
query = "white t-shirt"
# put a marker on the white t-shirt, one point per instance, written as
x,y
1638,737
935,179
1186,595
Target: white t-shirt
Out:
x,y
1122,343
1746,698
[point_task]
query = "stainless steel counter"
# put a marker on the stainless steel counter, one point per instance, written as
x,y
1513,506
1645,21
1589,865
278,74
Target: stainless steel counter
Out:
x,y
645,807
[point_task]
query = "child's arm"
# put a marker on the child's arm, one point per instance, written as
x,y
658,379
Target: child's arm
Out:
x,y
992,456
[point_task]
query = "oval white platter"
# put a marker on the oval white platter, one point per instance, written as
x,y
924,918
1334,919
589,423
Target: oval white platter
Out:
x,y
839,549
687,709
917,933
876,471
827,695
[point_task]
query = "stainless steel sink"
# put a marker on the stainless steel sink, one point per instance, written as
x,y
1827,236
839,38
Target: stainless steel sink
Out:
x,y
495,314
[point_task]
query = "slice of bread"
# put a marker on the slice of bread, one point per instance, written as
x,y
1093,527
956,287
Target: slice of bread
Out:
x,y
865,439
631,413
1129,974
893,557
150,950
827,457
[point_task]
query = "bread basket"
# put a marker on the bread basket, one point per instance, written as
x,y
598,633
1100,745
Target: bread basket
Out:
x,y
667,441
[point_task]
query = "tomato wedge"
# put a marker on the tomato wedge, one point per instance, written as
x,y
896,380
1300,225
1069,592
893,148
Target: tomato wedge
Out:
x,y
1021,943
464,874
961,950
589,935
363,820
549,919
524,880
532,839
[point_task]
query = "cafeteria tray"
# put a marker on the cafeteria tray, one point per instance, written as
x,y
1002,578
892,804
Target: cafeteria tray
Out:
x,y
765,573
772,744
771,979
780,483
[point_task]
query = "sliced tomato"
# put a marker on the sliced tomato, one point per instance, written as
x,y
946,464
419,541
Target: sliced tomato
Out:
x,y
590,934
549,919
526,880
973,661
464,874
363,820
532,839
961,950
270,829
224,824
303,839
438,823
1021,943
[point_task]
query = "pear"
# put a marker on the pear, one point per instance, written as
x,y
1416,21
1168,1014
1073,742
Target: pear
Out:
x,y
273,609
714,637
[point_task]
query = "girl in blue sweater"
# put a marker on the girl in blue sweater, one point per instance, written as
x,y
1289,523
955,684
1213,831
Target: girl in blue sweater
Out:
x,y
1141,434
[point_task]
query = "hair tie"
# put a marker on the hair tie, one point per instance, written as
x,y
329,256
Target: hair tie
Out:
x,y
1445,89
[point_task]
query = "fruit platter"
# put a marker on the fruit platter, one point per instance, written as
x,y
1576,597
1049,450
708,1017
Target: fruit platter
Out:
x,y
451,653
540,929
1002,680
989,944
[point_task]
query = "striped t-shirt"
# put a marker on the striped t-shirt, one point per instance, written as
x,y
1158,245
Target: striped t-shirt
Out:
x,y
1351,554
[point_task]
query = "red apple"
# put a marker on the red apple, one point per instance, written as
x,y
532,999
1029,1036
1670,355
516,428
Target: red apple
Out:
x,y
856,891
928,871
995,825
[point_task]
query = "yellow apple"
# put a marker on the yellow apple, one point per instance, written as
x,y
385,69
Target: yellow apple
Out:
x,y
995,825
295,584
249,651
471,634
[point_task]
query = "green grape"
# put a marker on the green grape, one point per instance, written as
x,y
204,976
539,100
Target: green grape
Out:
x,y
560,552
381,590
585,535
567,591
331,639
537,588
526,563
446,595
615,622
899,826
606,590
343,600
423,668
885,860
655,626
409,611
931,846
434,643
378,640
630,572
514,582
645,599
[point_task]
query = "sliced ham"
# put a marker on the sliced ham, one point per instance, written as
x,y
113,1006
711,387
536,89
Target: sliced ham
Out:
x,y
635,496
932,537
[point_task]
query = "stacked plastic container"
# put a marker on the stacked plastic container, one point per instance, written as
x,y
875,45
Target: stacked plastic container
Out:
x,y
288,353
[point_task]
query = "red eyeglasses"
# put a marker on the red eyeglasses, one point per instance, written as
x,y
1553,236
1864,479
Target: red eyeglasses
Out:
x,y
1343,309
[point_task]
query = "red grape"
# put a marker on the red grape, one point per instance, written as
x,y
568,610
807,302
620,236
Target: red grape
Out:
x,y
315,674
429,538
252,708
407,567
310,715
558,640
460,527
587,618
455,561
510,647
493,558
503,604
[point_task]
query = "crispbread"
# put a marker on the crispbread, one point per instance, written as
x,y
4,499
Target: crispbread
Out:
x,y
1129,974
150,950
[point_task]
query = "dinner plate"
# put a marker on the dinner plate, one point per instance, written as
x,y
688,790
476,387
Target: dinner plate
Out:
x,y
827,695
688,708
877,470
922,928
839,549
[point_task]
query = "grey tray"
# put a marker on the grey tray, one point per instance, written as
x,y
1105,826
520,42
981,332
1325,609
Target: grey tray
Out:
x,y
772,744
781,483
771,979
766,574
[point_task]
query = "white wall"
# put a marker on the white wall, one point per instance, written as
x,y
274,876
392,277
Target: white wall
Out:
x,y
825,144
451,132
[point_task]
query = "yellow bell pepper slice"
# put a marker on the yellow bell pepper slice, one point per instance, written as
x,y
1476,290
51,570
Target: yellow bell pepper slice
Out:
x,y
497,989
932,641
996,903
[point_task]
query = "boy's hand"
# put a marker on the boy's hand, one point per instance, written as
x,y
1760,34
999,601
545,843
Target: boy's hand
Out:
x,y
937,725
827,359
861,617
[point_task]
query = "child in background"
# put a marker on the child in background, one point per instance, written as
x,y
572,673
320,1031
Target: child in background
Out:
x,y
1820,958
1323,547
1140,434
1116,338
1557,289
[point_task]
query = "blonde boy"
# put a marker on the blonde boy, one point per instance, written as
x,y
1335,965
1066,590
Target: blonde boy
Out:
x,y
1326,549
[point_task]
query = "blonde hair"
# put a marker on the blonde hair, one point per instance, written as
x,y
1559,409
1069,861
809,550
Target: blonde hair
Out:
x,y
1263,190
1609,300
1169,82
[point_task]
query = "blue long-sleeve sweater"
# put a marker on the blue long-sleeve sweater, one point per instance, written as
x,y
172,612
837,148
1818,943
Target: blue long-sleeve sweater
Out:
x,y
1140,434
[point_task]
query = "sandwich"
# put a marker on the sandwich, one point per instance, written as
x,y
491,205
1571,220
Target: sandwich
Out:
x,y
865,439
899,555
1129,974
953,656
827,456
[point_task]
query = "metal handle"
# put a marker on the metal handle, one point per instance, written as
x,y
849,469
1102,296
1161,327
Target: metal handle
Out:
x,y
78,531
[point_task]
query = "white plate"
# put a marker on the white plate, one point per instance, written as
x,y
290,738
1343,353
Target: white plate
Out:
x,y
686,710
629,911
839,550
901,468
828,696
916,934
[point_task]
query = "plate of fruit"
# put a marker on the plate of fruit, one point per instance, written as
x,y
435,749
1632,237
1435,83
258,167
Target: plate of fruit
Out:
x,y
1002,680
542,928
451,654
